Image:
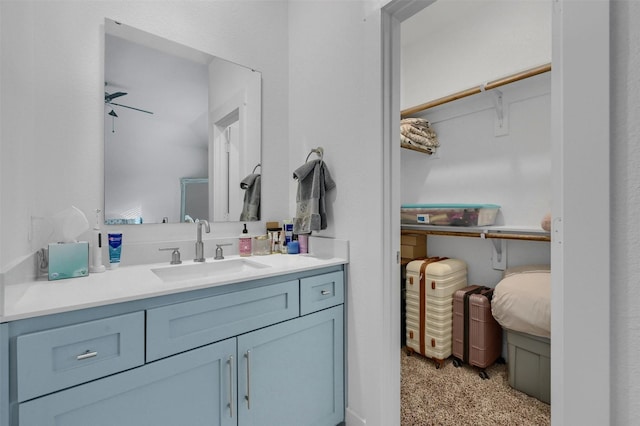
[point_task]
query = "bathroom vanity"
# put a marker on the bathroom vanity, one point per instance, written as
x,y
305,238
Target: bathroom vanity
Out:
x,y
258,347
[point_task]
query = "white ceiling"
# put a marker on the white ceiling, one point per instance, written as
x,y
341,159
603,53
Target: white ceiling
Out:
x,y
428,23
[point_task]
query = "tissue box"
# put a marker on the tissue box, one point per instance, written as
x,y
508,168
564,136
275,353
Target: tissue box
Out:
x,y
68,260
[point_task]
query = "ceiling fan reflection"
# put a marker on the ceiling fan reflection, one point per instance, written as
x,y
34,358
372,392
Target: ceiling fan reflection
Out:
x,y
109,97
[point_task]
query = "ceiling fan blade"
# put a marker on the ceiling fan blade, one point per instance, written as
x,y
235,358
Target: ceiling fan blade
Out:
x,y
125,106
108,97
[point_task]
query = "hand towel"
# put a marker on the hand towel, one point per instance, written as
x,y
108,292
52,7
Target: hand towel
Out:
x,y
248,181
251,202
314,180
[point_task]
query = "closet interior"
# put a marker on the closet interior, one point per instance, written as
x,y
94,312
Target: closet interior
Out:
x,y
493,148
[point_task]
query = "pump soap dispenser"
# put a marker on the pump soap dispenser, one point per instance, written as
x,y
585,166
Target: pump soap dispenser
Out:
x,y
245,242
96,247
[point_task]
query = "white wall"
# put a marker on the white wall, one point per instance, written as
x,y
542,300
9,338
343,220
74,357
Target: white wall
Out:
x,y
52,87
456,45
331,71
625,203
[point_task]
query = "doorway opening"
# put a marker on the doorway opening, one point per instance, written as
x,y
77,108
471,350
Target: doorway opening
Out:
x,y
574,249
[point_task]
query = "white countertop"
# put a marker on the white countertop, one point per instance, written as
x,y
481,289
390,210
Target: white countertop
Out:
x,y
126,283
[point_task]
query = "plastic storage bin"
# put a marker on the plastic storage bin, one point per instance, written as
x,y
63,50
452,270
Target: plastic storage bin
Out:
x,y
449,214
530,364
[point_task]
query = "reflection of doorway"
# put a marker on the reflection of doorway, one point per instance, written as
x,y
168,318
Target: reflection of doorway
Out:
x,y
226,183
194,199
227,154
226,159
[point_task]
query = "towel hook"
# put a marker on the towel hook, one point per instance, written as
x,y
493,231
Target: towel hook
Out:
x,y
319,150
257,165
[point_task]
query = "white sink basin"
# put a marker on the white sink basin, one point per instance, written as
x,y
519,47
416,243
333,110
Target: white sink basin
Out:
x,y
209,269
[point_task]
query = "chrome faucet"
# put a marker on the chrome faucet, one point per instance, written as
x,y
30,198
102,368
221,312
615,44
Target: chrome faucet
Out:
x,y
199,244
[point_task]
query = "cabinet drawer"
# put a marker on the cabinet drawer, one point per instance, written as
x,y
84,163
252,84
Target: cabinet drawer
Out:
x,y
176,328
59,358
320,292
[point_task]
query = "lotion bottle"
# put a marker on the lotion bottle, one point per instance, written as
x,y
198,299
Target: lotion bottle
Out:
x,y
244,245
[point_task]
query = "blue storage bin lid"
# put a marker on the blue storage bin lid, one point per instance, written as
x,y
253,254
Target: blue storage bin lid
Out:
x,y
450,206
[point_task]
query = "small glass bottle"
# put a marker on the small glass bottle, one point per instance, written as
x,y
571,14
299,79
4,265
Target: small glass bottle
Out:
x,y
244,245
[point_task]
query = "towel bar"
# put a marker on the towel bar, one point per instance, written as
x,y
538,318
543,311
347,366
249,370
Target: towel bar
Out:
x,y
319,150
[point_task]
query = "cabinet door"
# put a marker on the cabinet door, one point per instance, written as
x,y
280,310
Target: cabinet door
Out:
x,y
292,373
194,388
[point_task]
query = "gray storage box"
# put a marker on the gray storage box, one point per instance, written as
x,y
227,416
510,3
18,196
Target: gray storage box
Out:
x,y
530,364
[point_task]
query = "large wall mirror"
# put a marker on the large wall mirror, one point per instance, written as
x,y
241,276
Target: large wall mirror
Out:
x,y
182,132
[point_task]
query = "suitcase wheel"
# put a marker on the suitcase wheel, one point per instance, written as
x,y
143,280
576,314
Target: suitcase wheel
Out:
x,y
484,375
456,362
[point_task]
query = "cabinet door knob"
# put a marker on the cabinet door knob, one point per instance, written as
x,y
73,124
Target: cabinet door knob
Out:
x,y
86,355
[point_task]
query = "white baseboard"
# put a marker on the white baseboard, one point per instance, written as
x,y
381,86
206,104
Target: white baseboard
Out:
x,y
352,419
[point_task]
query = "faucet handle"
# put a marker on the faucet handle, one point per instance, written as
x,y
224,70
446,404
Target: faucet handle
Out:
x,y
219,254
175,256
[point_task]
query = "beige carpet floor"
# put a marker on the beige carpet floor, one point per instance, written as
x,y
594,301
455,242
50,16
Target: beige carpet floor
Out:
x,y
458,396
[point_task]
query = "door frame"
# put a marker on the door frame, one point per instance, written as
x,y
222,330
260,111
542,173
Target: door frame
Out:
x,y
580,176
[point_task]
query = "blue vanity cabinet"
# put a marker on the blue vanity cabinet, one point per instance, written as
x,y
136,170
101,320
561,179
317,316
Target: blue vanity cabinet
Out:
x,y
292,373
262,352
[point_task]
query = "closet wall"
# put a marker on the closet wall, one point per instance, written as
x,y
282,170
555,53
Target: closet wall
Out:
x,y
479,161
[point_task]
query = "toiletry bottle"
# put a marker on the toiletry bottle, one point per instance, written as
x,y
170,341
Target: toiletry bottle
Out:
x,y
293,247
245,242
287,226
283,243
115,249
276,243
96,248
303,240
273,230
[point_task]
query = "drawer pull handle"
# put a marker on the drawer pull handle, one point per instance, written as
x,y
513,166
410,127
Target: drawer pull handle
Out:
x,y
325,292
86,355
